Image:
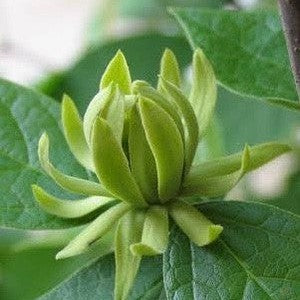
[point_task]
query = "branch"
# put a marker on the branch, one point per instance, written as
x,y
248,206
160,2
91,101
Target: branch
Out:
x,y
290,17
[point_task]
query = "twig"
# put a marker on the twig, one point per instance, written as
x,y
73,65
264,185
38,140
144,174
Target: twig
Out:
x,y
290,16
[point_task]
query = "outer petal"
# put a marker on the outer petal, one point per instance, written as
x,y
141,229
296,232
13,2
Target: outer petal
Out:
x,y
111,165
117,71
109,105
194,224
189,117
260,155
129,232
169,69
142,162
94,231
155,233
68,208
167,147
204,90
145,90
214,186
73,130
73,184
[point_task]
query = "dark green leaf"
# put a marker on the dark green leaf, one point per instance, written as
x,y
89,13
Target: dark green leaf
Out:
x,y
23,274
24,115
256,257
97,282
247,50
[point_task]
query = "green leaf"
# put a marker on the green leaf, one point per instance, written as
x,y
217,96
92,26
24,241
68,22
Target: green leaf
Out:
x,y
68,208
73,129
111,165
117,71
217,184
256,257
19,270
85,283
129,232
203,94
155,235
143,166
247,50
169,69
70,183
94,231
167,147
24,116
188,115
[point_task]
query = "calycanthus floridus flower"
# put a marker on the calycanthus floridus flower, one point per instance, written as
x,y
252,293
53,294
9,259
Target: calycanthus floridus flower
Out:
x,y
140,141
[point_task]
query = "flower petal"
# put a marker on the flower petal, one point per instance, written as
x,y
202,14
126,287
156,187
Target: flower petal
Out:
x,y
194,224
68,208
111,165
94,231
142,162
73,130
169,69
214,186
167,147
109,105
203,94
117,71
155,233
145,90
260,155
129,232
187,112
70,183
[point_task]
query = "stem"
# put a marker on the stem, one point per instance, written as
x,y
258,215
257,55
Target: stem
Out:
x,y
290,16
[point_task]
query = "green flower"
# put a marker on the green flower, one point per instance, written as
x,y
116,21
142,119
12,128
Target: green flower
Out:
x,y
141,142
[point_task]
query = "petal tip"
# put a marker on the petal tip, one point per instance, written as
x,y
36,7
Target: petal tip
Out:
x,y
214,232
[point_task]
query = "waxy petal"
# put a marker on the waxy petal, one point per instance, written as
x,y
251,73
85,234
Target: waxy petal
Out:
x,y
203,95
109,105
194,224
144,89
73,130
214,186
189,117
129,232
260,155
117,71
68,208
94,231
142,162
112,166
167,147
70,183
155,233
169,69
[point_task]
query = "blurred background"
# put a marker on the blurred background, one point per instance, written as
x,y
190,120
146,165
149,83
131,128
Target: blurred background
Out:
x,y
40,37
57,46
